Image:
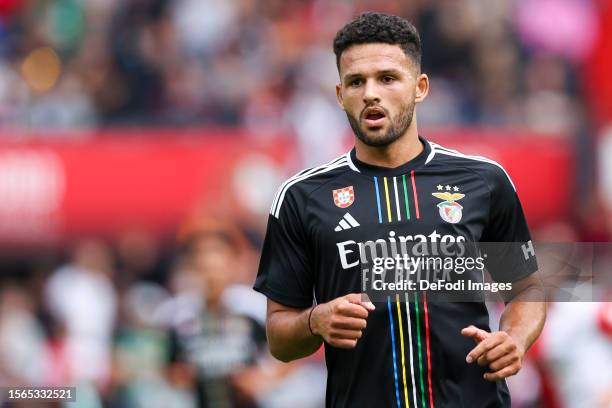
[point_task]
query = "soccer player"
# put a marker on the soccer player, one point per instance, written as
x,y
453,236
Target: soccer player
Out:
x,y
327,222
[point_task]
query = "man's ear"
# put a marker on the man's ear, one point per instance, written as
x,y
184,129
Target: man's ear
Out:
x,y
422,88
339,96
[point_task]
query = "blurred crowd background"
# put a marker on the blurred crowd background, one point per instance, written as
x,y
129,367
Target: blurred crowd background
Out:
x,y
137,316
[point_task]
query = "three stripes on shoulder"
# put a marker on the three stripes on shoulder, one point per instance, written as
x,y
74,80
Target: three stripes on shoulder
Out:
x,y
347,222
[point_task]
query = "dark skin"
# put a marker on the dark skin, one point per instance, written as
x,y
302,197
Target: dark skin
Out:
x,y
383,76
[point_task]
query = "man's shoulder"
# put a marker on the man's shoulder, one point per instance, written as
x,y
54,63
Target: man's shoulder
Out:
x,y
492,172
299,186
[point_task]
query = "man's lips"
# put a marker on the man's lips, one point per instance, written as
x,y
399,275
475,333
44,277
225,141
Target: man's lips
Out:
x,y
374,117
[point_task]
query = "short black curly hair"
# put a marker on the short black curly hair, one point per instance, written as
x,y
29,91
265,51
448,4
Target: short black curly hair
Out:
x,y
374,27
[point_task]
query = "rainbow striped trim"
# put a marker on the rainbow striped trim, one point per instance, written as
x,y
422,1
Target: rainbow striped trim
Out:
x,y
389,194
413,380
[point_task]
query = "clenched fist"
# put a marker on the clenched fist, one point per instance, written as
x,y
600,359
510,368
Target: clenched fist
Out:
x,y
341,321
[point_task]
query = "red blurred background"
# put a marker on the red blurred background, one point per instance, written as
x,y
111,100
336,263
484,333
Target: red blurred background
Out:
x,y
142,141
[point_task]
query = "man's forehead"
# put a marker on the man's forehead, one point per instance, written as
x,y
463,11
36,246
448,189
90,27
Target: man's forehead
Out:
x,y
373,57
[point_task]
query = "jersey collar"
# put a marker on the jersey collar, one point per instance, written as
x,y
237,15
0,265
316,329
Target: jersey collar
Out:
x,y
372,170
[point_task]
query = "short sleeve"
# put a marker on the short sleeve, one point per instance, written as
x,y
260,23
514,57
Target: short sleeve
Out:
x,y
285,275
506,238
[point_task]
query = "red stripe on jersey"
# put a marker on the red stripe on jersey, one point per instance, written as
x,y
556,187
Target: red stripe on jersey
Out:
x,y
431,403
414,193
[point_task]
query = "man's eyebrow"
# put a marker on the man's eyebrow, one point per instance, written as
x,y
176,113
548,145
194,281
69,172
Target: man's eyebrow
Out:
x,y
348,77
388,71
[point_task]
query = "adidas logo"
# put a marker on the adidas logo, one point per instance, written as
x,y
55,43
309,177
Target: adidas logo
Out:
x,y
347,222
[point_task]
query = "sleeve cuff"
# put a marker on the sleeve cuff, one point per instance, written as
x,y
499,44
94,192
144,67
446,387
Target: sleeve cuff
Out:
x,y
289,301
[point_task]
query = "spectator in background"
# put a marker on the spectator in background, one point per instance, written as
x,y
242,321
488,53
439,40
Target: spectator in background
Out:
x,y
140,375
81,297
580,377
218,347
23,359
214,341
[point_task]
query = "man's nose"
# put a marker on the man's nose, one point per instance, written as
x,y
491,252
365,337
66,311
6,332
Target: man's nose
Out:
x,y
370,94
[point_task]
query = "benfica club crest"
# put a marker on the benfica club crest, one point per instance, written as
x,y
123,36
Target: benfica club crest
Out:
x,y
344,197
450,209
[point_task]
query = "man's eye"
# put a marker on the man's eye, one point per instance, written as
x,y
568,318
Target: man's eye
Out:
x,y
388,79
355,82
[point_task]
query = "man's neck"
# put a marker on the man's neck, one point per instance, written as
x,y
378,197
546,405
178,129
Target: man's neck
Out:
x,y
397,153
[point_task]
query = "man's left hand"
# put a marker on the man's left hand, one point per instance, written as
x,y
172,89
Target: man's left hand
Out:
x,y
498,350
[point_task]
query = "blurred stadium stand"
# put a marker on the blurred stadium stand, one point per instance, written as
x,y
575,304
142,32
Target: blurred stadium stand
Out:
x,y
123,121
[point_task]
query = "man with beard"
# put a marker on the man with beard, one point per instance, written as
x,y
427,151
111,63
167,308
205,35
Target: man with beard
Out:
x,y
328,223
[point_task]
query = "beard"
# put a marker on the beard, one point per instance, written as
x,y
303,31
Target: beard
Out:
x,y
398,126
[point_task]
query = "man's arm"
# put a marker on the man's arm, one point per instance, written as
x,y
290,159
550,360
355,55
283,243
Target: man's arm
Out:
x,y
339,322
288,334
520,325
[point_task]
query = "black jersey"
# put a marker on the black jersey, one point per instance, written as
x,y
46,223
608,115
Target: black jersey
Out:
x,y
412,353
